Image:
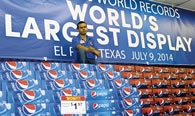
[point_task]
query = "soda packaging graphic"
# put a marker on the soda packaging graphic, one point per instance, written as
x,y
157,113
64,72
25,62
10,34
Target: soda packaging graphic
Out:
x,y
17,75
52,75
44,66
14,65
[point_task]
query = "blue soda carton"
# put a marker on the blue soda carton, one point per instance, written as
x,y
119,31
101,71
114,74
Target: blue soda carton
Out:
x,y
74,67
127,92
129,103
131,112
84,75
44,66
102,106
109,75
21,85
18,75
93,84
7,109
102,67
118,83
14,65
31,97
52,75
59,84
101,94
42,109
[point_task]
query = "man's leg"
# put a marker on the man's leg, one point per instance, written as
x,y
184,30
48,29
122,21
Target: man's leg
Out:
x,y
81,56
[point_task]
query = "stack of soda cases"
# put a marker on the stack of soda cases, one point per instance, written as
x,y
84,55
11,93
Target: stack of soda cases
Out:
x,y
163,90
35,88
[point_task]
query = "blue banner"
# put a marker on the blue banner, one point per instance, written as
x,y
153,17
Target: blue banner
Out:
x,y
126,31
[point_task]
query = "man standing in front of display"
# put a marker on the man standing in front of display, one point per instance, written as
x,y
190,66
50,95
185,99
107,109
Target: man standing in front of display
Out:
x,y
84,46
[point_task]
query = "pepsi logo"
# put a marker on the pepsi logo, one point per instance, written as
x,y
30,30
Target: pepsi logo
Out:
x,y
76,66
189,108
121,68
137,83
150,111
126,91
95,106
140,93
29,109
110,75
93,94
118,83
142,69
46,65
59,83
178,92
185,77
180,101
128,101
193,84
129,76
91,83
53,74
162,101
171,110
160,92
67,92
16,74
11,65
141,102
177,84
159,83
28,95
129,112
83,74
102,67
22,84
150,76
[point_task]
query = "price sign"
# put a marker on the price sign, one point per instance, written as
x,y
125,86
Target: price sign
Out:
x,y
73,105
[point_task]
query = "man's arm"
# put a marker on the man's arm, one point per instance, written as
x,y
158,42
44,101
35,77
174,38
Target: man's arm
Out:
x,y
82,47
95,51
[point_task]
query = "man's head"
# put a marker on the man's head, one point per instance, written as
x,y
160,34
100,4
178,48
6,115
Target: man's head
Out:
x,y
82,28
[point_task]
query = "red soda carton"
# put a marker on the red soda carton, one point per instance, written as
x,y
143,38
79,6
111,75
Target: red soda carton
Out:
x,y
132,75
145,93
178,70
153,111
161,92
188,108
164,101
141,83
185,76
169,76
161,70
180,92
178,83
152,75
181,100
146,102
124,68
157,83
174,109
144,69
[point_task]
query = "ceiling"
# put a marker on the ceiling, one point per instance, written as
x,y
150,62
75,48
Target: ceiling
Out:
x,y
185,4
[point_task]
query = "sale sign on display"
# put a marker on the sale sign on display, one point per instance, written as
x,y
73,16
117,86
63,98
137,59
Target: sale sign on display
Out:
x,y
73,105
